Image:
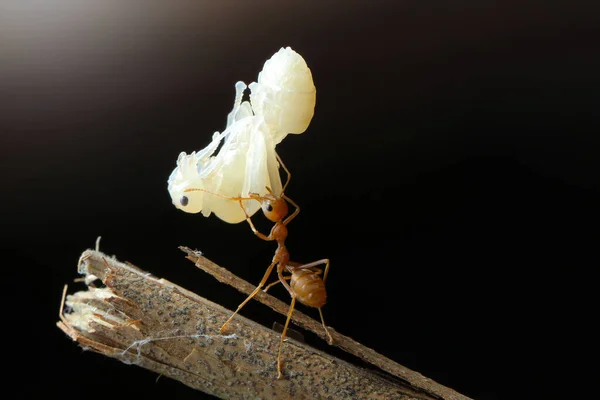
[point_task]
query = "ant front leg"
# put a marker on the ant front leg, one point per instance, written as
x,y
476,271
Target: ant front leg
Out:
x,y
256,232
289,174
289,177
296,211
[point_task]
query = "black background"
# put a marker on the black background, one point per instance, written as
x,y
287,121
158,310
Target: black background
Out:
x,y
449,173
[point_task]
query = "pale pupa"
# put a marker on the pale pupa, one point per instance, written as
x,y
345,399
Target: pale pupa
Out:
x,y
282,102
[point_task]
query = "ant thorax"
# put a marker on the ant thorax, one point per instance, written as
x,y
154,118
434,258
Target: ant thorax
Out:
x,y
279,232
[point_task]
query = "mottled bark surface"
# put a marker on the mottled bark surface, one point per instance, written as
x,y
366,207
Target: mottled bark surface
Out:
x,y
140,319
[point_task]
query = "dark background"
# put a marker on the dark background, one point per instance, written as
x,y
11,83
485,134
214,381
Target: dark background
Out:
x,y
450,173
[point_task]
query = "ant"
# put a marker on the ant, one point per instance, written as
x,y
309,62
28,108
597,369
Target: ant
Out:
x,y
306,284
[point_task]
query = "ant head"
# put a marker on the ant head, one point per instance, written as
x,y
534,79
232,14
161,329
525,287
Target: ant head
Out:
x,y
274,207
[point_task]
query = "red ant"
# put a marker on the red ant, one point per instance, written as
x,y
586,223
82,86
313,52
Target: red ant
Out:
x,y
306,284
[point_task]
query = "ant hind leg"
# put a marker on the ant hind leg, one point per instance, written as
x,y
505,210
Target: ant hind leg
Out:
x,y
314,264
287,278
287,322
329,338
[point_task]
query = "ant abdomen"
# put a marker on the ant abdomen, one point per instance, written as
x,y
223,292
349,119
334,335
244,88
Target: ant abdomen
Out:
x,y
309,287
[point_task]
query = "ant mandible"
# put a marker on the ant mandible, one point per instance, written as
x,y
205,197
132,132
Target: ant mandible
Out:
x,y
306,284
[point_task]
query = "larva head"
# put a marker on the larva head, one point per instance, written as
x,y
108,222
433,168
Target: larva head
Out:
x,y
185,176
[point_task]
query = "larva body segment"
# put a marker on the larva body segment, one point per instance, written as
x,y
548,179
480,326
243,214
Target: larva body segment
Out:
x,y
285,94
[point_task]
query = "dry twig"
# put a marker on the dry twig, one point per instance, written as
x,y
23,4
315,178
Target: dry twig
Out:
x,y
140,319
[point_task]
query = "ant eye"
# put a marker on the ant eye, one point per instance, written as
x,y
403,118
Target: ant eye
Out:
x,y
184,201
269,207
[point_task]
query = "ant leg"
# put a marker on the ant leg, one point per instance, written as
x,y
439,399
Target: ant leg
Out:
x,y
280,268
314,264
326,269
289,177
260,285
287,322
296,211
282,279
287,278
330,339
256,232
289,174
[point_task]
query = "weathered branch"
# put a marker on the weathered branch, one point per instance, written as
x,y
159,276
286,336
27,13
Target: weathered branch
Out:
x,y
344,342
140,319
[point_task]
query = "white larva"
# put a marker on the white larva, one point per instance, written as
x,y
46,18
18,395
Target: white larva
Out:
x,y
282,102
